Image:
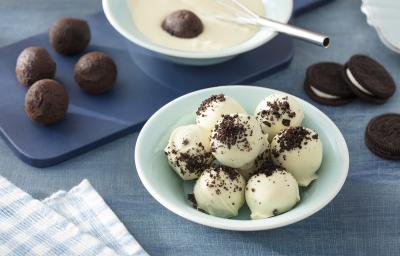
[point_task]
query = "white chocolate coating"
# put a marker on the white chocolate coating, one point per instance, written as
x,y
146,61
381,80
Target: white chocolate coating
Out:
x,y
148,15
267,196
302,163
214,112
248,145
192,140
272,124
248,169
219,195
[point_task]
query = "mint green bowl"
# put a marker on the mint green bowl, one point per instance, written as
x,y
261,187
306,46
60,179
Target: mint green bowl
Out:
x,y
171,191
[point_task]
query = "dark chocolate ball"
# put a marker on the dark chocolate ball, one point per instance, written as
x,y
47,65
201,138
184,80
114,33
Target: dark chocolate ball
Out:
x,y
46,102
183,24
33,64
95,72
69,36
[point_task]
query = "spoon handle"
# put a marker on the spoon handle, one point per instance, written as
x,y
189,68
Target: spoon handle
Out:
x,y
297,32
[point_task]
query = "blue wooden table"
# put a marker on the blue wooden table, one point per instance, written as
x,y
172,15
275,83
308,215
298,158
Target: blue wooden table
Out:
x,y
363,220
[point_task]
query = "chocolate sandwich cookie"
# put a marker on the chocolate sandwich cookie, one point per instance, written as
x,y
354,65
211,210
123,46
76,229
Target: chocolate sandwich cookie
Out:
x,y
382,136
183,24
33,64
46,102
368,79
69,36
95,72
325,84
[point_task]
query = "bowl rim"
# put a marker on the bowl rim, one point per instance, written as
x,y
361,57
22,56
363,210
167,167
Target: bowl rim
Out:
x,y
230,224
235,50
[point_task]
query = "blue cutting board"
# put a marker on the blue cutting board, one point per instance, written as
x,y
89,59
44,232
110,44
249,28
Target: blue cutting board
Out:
x,y
145,82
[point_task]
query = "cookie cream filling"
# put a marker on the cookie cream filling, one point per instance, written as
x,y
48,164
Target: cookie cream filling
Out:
x,y
356,83
323,94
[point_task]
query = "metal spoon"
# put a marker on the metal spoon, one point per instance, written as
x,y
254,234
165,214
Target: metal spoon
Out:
x,y
246,16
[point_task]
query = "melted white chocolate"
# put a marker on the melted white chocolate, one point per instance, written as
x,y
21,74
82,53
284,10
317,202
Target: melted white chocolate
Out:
x,y
148,16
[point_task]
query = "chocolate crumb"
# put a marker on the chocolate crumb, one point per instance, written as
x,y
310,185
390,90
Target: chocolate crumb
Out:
x,y
286,122
185,142
267,123
275,212
192,199
292,138
194,163
232,131
209,102
275,110
267,168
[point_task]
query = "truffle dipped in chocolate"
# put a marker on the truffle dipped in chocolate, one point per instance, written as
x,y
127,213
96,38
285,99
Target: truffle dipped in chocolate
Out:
x,y
33,64
183,24
69,36
95,72
46,102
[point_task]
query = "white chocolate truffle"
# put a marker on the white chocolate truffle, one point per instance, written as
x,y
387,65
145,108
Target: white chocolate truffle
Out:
x,y
237,140
220,191
188,151
271,193
212,109
298,150
249,169
277,112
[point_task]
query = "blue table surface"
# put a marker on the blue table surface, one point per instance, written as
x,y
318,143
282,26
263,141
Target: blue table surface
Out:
x,y
363,219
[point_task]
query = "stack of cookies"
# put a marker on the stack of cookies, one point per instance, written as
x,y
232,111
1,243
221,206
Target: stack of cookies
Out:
x,y
335,84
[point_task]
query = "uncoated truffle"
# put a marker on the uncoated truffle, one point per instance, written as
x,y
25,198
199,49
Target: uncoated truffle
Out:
x,y
69,36
33,64
183,24
95,72
46,102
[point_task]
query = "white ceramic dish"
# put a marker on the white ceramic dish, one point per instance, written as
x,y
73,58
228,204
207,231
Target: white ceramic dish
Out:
x,y
119,16
171,191
384,16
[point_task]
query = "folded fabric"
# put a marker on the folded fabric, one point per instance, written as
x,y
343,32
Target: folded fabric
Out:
x,y
77,222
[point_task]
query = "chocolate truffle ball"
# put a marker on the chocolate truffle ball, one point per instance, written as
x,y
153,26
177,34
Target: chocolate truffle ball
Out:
x,y
95,72
46,102
69,36
183,24
33,64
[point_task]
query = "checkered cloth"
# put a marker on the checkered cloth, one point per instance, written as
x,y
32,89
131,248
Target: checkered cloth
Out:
x,y
77,222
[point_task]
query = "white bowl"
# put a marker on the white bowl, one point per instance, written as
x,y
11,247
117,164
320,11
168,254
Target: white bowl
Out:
x,y
383,15
171,191
119,15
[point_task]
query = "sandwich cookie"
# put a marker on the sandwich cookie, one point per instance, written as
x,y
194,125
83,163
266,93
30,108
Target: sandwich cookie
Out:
x,y
325,84
382,136
368,79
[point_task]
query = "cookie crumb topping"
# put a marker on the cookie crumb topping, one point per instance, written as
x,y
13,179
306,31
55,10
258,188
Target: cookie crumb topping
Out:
x,y
231,130
207,103
293,138
194,160
277,109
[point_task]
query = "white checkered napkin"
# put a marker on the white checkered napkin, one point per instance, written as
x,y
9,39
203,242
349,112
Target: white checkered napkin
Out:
x,y
84,207
29,227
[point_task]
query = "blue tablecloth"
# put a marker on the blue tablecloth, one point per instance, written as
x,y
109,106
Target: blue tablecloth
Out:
x,y
364,219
